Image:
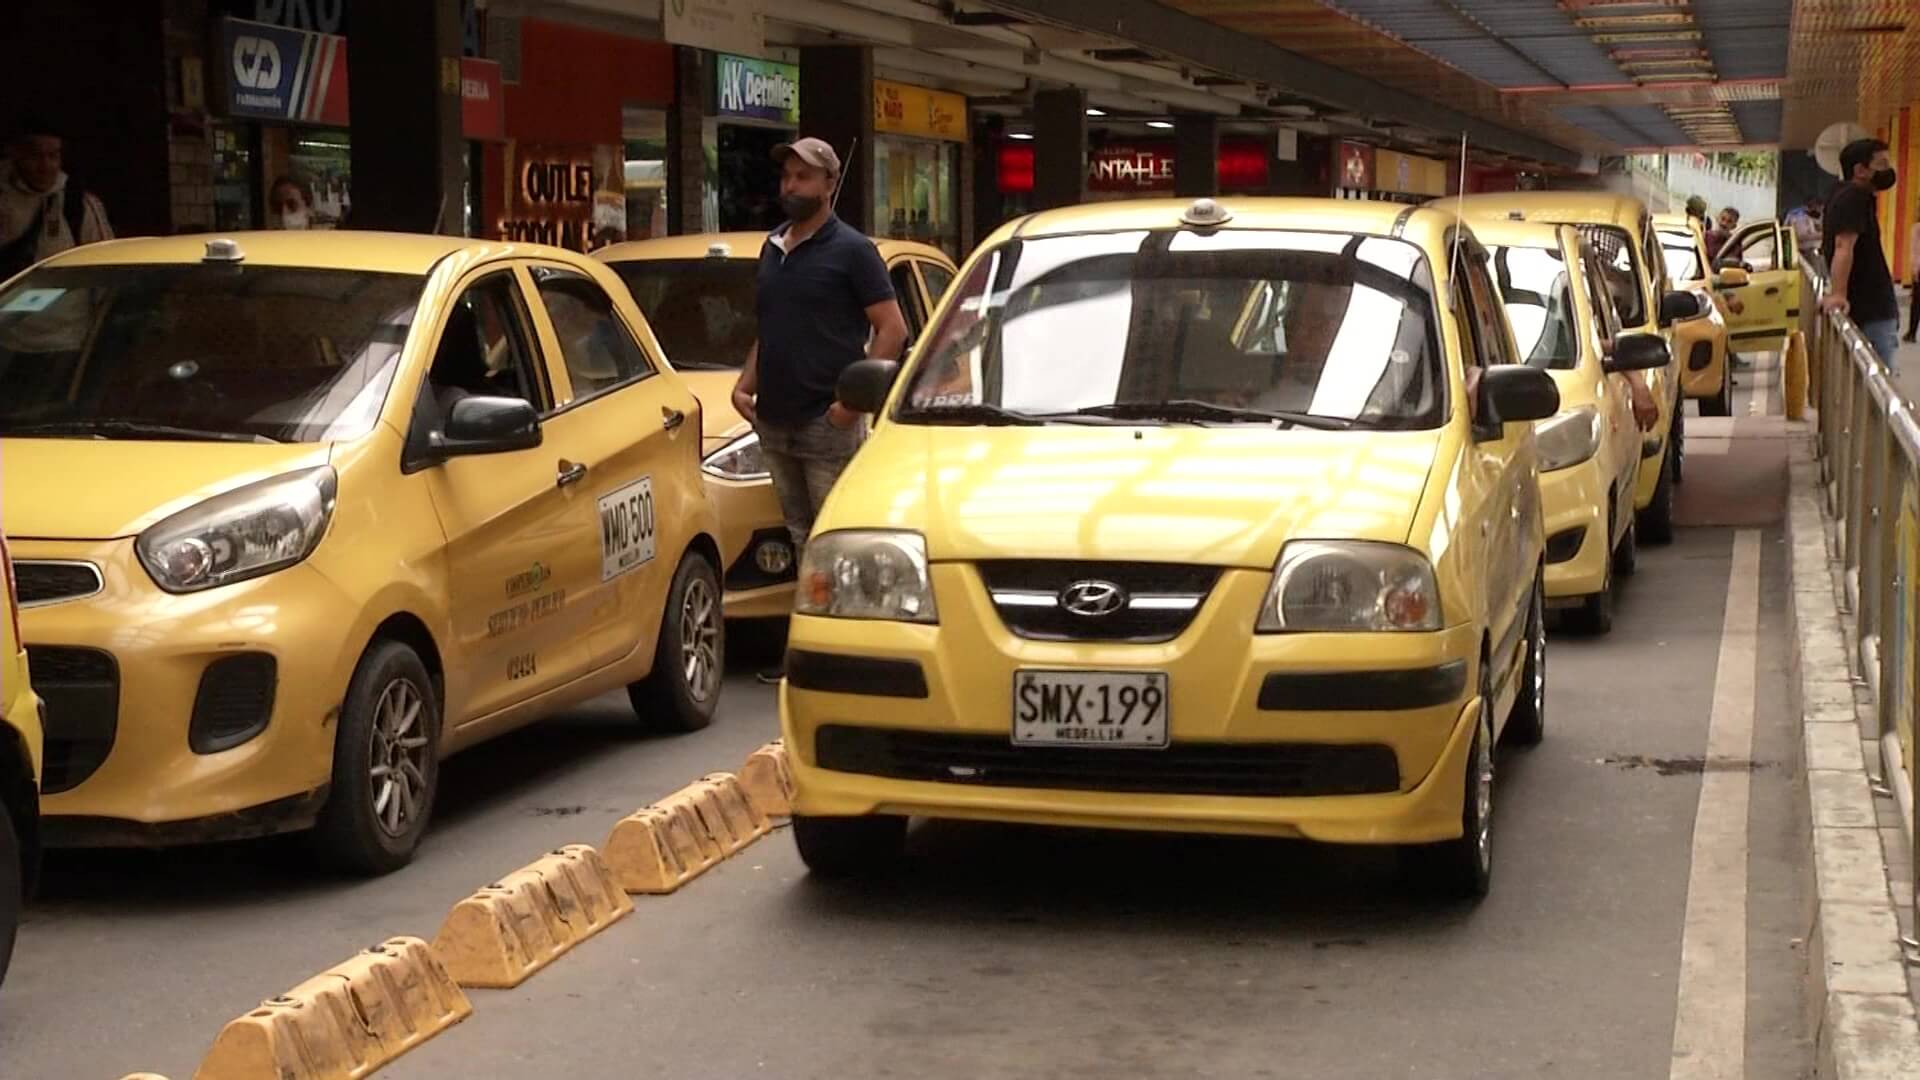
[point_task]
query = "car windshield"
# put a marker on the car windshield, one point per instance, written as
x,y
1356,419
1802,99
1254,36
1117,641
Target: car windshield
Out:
x,y
1683,256
701,309
1538,293
1238,326
200,352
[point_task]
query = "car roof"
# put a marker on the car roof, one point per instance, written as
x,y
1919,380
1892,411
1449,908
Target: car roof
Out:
x,y
1494,232
345,249
1571,207
1427,225
740,245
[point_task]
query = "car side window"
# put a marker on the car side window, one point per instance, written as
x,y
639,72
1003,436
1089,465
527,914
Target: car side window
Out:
x,y
486,349
938,279
908,294
1760,249
599,351
1606,320
1487,313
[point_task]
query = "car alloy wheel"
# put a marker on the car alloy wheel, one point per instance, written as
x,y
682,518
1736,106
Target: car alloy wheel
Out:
x,y
397,757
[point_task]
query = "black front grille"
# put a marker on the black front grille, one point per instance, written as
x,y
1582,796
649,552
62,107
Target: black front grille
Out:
x,y
1247,769
48,582
234,703
1051,621
82,690
1700,358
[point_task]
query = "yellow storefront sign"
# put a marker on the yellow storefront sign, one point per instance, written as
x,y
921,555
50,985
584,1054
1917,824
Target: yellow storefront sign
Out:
x,y
1408,174
904,109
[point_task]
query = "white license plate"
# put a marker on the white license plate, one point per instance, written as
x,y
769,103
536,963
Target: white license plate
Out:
x,y
1087,708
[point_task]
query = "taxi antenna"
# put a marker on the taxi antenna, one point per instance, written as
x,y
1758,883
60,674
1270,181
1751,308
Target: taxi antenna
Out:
x,y
1459,215
845,163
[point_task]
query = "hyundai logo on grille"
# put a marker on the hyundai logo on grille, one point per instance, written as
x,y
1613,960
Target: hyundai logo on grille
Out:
x,y
1093,598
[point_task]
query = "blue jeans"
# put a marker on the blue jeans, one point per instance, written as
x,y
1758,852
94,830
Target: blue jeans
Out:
x,y
1884,336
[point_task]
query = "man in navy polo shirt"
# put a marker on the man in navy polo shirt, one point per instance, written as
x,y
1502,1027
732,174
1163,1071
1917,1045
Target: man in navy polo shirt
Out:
x,y
823,296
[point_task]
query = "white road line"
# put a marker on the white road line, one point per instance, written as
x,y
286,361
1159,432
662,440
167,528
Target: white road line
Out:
x,y
1710,1014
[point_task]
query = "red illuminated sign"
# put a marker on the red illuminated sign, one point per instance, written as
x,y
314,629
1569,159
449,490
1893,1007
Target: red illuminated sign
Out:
x,y
1141,167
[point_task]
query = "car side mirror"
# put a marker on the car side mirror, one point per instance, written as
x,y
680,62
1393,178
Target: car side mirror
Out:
x,y
1679,306
1511,393
1734,277
865,384
488,425
1637,352
1730,263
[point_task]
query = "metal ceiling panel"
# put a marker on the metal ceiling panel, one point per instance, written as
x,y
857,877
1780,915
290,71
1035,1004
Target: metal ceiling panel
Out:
x,y
1747,38
1759,120
1631,127
1855,60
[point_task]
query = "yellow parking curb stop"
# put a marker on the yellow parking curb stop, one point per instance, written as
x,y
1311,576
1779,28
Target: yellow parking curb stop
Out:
x,y
513,928
345,1022
1795,381
769,780
678,838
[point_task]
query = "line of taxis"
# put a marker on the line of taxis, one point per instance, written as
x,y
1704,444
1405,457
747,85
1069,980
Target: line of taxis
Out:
x,y
1237,516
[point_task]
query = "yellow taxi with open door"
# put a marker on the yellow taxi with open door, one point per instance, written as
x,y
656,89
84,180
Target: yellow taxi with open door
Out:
x,y
1766,252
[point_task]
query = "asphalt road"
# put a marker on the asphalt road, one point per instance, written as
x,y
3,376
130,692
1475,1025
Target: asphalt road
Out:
x,y
1004,952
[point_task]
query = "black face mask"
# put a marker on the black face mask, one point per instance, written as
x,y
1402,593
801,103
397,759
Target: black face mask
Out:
x,y
800,207
1884,179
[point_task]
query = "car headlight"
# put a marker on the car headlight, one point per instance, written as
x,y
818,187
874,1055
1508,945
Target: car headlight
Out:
x,y
242,534
1324,585
741,459
1568,439
867,574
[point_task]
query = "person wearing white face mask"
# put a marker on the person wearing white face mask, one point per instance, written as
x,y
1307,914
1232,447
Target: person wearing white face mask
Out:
x,y
290,203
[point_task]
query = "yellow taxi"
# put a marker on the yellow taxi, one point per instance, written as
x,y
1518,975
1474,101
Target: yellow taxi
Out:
x,y
1190,516
20,748
698,294
1620,229
1702,344
1766,254
1589,453
303,513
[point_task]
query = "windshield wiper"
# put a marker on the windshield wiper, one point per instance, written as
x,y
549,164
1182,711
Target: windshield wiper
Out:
x,y
702,365
973,413
1190,409
133,429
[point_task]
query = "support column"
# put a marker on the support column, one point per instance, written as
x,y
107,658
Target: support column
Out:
x,y
989,208
409,159
836,104
686,144
1196,155
97,71
1059,148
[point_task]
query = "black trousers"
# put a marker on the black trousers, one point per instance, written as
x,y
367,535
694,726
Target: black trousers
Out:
x,y
1913,310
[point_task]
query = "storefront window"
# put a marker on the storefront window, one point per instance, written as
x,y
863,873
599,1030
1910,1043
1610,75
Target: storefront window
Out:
x,y
645,136
917,197
324,159
233,171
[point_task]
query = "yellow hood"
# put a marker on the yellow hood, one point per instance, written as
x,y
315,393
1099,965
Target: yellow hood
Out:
x,y
720,420
1227,496
88,489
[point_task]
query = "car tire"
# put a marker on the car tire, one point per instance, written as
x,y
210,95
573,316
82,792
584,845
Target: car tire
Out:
x,y
386,764
1679,441
690,660
1527,723
1594,615
12,887
1655,523
1462,869
1626,557
1721,404
839,847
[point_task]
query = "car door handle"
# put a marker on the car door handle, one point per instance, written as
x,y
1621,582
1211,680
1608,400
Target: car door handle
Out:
x,y
571,472
671,419
1775,291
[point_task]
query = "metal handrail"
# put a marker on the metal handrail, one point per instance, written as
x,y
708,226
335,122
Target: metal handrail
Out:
x,y
1868,445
